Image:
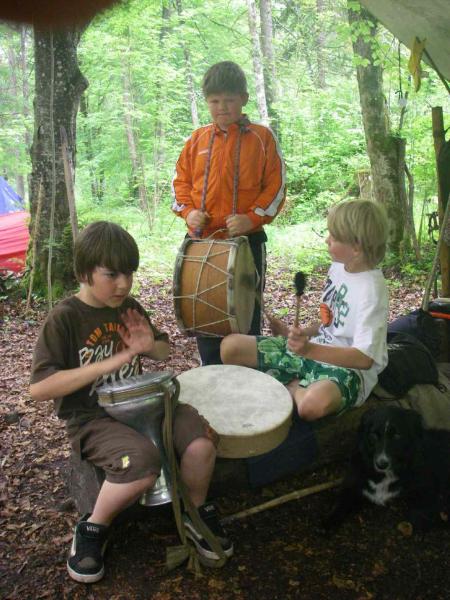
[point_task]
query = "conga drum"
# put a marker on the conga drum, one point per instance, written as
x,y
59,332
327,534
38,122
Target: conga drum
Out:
x,y
251,411
139,403
214,287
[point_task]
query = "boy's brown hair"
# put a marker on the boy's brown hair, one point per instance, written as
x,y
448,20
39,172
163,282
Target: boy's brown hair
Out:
x,y
222,77
104,244
362,222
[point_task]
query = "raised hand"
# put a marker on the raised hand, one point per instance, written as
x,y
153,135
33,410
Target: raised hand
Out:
x,y
136,333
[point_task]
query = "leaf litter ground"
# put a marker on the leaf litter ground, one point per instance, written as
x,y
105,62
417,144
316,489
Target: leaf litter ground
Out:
x,y
279,553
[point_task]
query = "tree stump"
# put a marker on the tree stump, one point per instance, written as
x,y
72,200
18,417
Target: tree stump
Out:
x,y
85,481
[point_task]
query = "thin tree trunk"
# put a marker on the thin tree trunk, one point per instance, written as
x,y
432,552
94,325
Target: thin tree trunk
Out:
x,y
59,84
159,129
69,177
13,62
25,87
300,36
257,62
321,79
96,183
410,213
439,140
138,176
270,76
382,147
189,75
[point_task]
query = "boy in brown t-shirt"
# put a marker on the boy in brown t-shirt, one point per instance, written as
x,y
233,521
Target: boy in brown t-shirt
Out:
x,y
95,337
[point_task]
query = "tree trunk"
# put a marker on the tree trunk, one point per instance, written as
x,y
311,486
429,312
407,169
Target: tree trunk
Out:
x,y
25,86
257,62
13,63
59,84
382,147
138,176
159,129
189,75
270,76
437,117
321,79
96,182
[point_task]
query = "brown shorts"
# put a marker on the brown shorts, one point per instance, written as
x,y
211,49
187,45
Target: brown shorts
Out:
x,y
126,455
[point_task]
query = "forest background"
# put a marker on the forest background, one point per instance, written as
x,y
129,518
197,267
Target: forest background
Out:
x,y
143,63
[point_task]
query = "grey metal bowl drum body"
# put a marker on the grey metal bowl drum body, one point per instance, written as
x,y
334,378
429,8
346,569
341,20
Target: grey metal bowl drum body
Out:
x,y
139,403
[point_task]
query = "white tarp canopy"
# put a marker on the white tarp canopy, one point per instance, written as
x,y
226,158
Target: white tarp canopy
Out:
x,y
408,19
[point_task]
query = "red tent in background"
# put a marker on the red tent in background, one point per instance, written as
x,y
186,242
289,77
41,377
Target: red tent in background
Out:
x,y
14,234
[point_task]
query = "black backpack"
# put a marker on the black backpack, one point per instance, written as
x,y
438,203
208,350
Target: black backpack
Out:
x,y
419,324
409,362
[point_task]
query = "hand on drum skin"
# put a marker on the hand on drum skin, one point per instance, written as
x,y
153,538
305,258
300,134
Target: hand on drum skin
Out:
x,y
136,334
277,327
239,224
198,219
298,342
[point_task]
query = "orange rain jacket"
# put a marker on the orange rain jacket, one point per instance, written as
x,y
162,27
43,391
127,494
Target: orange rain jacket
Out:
x,y
262,188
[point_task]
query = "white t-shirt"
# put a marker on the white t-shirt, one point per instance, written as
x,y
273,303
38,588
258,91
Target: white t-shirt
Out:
x,y
354,313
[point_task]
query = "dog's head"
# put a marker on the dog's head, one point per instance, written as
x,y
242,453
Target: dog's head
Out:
x,y
389,438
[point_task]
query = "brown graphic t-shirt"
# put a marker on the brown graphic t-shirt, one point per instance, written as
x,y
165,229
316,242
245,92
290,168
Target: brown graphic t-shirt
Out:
x,y
76,334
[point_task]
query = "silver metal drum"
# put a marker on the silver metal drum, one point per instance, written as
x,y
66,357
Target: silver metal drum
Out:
x,y
139,403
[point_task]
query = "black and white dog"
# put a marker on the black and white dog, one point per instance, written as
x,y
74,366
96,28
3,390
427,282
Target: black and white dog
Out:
x,y
396,456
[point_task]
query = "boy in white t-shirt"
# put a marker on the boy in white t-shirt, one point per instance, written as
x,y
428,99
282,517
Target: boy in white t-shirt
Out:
x,y
333,365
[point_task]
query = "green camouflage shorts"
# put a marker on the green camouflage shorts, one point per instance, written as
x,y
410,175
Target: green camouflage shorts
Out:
x,y
275,359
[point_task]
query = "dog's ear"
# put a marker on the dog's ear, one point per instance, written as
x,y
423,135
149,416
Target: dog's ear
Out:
x,y
415,424
366,420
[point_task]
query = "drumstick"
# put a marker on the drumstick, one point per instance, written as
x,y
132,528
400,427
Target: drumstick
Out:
x,y
300,284
297,494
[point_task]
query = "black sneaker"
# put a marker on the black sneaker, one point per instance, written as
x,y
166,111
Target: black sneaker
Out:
x,y
209,516
85,562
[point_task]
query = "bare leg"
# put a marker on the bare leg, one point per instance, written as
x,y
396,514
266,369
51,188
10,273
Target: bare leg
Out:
x,y
197,466
115,497
239,349
319,399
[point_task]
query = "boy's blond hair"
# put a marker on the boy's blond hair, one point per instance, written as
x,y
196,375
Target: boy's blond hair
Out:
x,y
361,222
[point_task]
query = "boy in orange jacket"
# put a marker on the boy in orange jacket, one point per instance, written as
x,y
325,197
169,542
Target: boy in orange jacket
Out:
x,y
230,178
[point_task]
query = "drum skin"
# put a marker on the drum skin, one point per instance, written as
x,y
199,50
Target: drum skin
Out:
x,y
214,287
251,411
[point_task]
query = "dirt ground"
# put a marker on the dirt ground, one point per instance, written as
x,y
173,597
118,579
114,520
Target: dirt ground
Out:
x,y
279,553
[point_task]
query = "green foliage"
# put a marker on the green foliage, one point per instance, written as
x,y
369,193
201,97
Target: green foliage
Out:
x,y
9,285
321,130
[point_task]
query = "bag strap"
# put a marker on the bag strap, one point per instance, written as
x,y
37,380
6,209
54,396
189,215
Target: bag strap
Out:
x,y
177,555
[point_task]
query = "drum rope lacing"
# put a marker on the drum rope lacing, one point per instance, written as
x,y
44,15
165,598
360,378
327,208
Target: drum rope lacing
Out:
x,y
203,260
177,555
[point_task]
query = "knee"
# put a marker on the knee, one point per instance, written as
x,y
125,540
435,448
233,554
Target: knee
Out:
x,y
145,483
228,347
200,450
312,407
